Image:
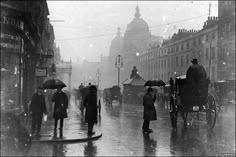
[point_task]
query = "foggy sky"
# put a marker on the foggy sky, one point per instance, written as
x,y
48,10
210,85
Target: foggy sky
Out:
x,y
89,26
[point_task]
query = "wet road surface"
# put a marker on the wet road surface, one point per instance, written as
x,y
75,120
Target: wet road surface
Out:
x,y
122,135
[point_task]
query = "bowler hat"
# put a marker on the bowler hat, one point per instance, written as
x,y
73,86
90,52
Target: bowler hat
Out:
x,y
194,60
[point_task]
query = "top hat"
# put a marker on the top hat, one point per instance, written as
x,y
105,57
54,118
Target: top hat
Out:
x,y
194,60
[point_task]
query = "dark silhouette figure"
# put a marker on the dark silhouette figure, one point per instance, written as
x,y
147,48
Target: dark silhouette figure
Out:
x,y
60,102
91,109
37,108
149,110
196,79
99,107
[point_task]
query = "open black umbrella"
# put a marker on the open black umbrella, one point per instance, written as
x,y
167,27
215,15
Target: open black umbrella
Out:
x,y
53,84
155,83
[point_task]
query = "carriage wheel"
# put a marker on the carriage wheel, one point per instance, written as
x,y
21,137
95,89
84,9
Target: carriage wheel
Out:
x,y
211,111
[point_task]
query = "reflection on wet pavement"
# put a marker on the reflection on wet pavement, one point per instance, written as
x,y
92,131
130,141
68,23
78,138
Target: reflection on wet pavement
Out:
x,y
122,136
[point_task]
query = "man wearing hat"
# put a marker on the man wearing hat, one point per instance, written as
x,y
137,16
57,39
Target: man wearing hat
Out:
x,y
37,108
196,77
149,113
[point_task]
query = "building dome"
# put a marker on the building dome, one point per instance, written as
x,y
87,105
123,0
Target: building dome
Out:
x,y
137,35
116,44
137,24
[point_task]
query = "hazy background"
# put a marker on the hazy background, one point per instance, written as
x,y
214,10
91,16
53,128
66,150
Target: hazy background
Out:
x,y
89,26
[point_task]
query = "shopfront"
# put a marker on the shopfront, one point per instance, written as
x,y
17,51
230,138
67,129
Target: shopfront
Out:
x,y
12,49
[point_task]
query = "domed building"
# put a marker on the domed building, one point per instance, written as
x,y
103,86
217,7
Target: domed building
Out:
x,y
116,45
137,36
109,70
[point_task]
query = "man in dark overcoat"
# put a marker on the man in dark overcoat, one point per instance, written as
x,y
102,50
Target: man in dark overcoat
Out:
x,y
37,108
91,109
149,113
196,79
60,103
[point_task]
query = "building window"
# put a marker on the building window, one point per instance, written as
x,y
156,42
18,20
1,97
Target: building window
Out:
x,y
213,53
199,41
182,46
213,73
207,70
213,36
194,42
177,48
206,37
187,59
177,61
168,62
182,61
207,53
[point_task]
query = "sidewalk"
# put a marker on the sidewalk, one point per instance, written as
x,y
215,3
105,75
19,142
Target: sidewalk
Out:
x,y
75,130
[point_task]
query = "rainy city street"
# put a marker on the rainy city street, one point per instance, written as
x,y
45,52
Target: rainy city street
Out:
x,y
122,136
117,78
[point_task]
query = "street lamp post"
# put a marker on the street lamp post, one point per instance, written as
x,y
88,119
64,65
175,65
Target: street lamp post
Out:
x,y
119,64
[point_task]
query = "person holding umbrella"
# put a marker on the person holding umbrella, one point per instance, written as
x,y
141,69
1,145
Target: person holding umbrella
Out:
x,y
149,113
37,108
60,103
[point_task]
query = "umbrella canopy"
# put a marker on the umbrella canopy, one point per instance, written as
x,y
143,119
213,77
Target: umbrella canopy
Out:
x,y
53,84
155,83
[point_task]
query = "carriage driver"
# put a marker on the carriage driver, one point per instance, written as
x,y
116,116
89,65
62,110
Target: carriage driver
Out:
x,y
196,77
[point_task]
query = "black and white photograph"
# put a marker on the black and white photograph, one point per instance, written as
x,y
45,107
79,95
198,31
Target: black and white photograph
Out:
x,y
117,78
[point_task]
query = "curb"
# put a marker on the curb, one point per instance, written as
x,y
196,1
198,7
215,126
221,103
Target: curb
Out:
x,y
68,140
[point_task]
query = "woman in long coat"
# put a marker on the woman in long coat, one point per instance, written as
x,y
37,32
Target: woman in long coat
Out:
x,y
149,113
91,109
60,101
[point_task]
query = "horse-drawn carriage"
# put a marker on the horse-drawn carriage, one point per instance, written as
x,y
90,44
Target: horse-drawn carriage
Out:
x,y
186,101
111,94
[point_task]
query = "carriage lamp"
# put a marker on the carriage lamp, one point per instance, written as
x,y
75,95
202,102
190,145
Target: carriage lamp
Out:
x,y
224,63
137,54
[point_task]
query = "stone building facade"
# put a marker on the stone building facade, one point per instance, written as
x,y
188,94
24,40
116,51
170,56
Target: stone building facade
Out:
x,y
27,39
226,42
213,46
173,56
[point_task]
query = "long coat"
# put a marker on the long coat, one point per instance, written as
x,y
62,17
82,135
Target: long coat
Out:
x,y
38,105
196,79
61,105
91,108
149,108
